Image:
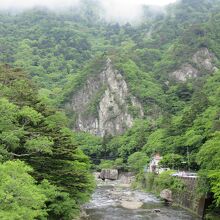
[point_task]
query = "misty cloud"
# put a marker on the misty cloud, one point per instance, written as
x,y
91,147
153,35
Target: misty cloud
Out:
x,y
128,10
26,4
123,10
112,4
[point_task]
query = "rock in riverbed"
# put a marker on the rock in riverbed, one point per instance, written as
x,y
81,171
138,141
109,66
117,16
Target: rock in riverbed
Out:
x,y
110,174
166,194
131,204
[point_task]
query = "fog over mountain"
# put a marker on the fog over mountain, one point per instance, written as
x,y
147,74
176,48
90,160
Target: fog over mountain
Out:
x,y
24,4
7,4
124,10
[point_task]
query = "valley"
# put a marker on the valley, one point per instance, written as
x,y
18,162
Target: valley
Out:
x,y
82,91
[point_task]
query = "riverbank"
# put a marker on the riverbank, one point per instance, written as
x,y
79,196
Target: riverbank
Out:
x,y
116,200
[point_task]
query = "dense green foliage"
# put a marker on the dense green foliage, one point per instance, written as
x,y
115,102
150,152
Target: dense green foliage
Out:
x,y
57,180
59,51
21,198
156,183
137,161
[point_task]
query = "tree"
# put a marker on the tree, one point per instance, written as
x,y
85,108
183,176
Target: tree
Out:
x,y
209,154
67,166
214,176
59,204
209,160
173,161
37,134
137,161
20,197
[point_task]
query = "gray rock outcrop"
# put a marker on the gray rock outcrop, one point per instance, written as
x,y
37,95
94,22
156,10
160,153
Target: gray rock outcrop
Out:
x,y
166,194
107,94
131,204
185,72
202,62
110,174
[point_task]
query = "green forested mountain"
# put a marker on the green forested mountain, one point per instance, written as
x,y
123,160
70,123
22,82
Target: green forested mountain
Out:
x,y
166,67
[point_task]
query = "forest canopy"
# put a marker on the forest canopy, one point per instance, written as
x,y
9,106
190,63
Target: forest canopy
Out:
x,y
46,57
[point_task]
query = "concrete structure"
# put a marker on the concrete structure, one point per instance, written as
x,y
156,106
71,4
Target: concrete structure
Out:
x,y
185,174
188,198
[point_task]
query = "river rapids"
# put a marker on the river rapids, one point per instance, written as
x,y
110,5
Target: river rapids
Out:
x,y
115,201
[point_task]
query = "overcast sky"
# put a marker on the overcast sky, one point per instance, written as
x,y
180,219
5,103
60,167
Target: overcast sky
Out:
x,y
128,10
114,9
5,4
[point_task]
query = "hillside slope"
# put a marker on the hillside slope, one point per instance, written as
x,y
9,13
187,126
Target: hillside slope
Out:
x,y
146,87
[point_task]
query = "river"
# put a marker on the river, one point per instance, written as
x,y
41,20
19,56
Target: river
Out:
x,y
106,204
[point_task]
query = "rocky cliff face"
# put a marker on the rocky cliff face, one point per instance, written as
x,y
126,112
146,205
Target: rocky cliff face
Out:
x,y
104,104
202,63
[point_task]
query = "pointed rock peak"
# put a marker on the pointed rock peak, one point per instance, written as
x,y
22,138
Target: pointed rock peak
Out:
x,y
104,104
108,62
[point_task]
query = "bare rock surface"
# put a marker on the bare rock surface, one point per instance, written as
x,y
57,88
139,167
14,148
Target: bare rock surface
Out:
x,y
108,94
131,204
204,59
167,195
110,174
185,72
202,63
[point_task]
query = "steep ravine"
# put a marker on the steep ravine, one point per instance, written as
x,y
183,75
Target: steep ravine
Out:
x,y
104,104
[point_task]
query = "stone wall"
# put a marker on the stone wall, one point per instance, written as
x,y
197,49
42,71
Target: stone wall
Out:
x,y
189,199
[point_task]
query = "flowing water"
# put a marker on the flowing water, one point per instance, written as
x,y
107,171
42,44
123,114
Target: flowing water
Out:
x,y
106,205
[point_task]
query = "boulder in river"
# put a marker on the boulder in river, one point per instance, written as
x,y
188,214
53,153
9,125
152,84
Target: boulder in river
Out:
x,y
131,204
166,194
110,174
126,179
